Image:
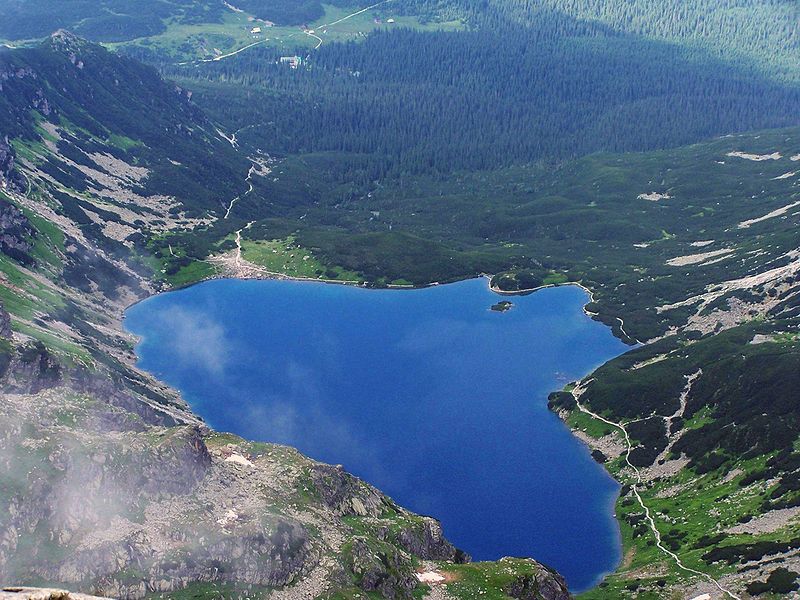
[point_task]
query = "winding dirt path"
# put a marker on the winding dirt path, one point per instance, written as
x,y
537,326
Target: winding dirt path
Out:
x,y
316,37
247,179
234,53
310,32
577,393
307,32
358,12
625,333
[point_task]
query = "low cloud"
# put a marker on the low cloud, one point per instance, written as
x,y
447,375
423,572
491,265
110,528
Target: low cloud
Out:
x,y
197,340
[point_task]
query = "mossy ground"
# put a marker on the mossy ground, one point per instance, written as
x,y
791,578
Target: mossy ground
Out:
x,y
287,257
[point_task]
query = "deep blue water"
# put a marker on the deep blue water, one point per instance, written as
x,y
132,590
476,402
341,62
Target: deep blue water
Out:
x,y
427,394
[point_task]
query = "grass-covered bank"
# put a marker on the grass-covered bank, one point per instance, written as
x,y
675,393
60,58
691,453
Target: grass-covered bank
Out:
x,y
722,497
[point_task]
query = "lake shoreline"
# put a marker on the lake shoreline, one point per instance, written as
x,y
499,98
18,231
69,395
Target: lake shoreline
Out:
x,y
265,275
503,293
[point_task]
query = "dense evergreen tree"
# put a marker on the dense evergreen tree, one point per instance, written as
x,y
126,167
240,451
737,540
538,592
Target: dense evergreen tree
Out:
x,y
436,102
762,30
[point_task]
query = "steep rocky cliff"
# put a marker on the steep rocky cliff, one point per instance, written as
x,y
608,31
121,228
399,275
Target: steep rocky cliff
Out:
x,y
9,176
5,323
15,230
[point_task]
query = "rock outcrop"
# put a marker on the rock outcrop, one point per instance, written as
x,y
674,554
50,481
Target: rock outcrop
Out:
x,y
10,178
426,540
33,368
136,508
128,513
16,232
545,584
5,324
381,569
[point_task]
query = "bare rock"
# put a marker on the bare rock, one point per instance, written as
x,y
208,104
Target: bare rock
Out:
x,y
427,541
381,569
346,494
33,368
10,178
16,232
5,323
545,584
30,593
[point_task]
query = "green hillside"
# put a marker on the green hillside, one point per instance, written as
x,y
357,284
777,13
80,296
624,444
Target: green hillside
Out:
x,y
649,151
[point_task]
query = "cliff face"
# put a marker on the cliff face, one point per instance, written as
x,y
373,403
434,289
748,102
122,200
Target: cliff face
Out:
x,y
5,324
32,368
546,584
9,176
16,231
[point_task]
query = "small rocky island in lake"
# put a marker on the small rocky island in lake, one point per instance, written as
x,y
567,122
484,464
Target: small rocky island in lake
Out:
x,y
502,306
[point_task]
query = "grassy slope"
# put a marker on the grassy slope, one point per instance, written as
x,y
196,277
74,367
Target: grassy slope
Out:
x,y
187,42
695,505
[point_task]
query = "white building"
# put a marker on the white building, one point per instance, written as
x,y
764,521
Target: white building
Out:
x,y
292,61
